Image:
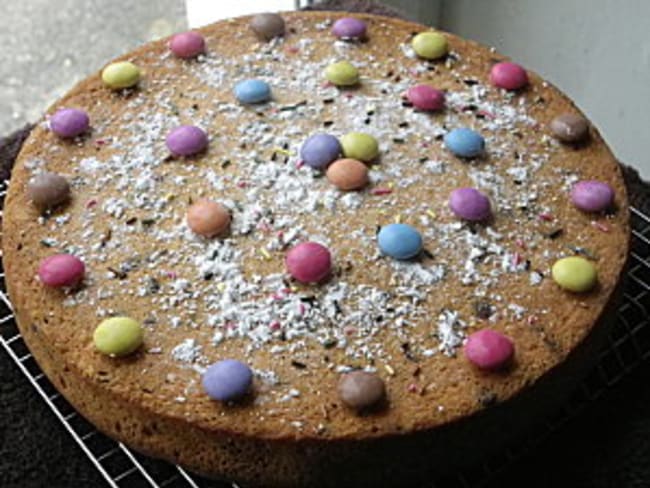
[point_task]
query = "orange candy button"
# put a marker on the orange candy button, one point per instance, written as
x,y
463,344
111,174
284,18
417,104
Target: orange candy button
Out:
x,y
348,174
208,218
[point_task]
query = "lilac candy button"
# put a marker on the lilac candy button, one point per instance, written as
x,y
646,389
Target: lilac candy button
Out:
x,y
470,204
187,44
349,28
186,140
489,349
69,122
592,195
319,150
227,380
61,270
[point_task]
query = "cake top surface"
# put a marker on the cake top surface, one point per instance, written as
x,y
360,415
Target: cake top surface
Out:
x,y
391,305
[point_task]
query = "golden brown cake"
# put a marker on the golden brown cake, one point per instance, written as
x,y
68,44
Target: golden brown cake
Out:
x,y
203,294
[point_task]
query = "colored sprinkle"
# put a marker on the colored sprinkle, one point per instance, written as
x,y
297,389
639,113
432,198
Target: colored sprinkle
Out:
x,y
381,191
600,226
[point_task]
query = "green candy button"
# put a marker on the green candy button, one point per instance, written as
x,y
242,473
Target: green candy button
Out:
x,y
430,45
575,274
122,74
342,73
361,146
118,336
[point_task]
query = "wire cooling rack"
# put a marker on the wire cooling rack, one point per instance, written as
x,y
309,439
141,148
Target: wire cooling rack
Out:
x,y
628,346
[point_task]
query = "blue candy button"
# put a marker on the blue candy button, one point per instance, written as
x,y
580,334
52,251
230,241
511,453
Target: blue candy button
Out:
x,y
465,142
252,91
399,241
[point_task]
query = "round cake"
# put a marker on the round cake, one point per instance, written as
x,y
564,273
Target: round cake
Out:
x,y
315,249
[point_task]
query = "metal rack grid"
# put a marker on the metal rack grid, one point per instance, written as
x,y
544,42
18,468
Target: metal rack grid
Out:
x,y
628,347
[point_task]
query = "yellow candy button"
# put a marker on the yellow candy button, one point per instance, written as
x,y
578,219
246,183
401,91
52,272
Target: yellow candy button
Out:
x,y
122,74
361,146
575,274
342,73
118,336
430,45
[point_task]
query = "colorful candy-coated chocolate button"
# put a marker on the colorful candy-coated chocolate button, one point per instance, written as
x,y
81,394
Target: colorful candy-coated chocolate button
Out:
x,y
349,28
348,174
361,146
187,44
570,128
48,190
61,270
465,143
489,349
430,45
342,73
320,150
425,97
267,26
186,140
227,380
575,274
118,336
399,241
208,218
122,74
510,76
309,262
252,91
69,122
361,390
470,204
592,195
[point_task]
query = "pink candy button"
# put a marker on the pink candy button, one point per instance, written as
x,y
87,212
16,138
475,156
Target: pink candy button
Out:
x,y
510,76
309,262
425,97
489,349
187,44
61,270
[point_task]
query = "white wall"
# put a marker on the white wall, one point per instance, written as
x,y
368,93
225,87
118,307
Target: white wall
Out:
x,y
597,51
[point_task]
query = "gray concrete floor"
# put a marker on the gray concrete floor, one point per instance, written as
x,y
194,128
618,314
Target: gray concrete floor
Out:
x,y
48,45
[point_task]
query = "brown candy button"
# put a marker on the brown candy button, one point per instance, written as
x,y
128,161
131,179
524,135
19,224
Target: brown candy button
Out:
x,y
570,128
267,26
208,218
48,190
348,174
360,390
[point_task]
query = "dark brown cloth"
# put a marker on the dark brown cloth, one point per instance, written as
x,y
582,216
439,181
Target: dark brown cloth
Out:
x,y
607,445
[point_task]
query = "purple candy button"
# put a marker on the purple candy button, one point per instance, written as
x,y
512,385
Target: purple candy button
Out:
x,y
227,380
592,195
470,204
69,122
489,349
61,270
349,28
186,140
320,150
187,44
